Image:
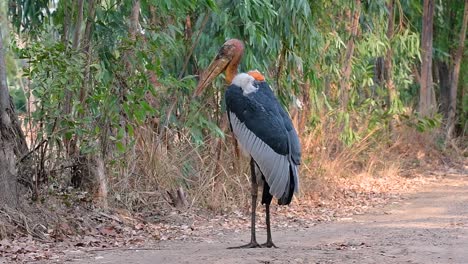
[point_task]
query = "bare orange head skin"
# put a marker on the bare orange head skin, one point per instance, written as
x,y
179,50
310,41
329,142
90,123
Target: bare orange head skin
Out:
x,y
227,60
257,75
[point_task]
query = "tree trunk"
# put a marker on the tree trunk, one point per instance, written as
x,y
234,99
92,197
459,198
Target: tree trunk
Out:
x,y
443,72
345,86
9,120
79,21
78,178
70,145
427,102
12,142
455,75
8,175
86,48
99,172
153,79
388,65
134,20
66,21
303,108
95,163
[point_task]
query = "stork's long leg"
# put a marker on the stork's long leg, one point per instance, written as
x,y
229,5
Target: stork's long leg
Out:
x,y
269,242
254,191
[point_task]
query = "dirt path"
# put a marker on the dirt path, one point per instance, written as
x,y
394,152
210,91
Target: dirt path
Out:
x,y
428,227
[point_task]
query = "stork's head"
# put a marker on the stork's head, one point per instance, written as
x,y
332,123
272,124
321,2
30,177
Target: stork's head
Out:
x,y
228,59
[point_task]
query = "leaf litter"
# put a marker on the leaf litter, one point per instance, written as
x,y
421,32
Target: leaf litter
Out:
x,y
84,230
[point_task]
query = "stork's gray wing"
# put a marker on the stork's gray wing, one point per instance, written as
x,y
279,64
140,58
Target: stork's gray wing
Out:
x,y
260,130
274,166
294,145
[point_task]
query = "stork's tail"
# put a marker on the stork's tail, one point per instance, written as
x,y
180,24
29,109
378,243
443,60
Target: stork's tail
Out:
x,y
293,186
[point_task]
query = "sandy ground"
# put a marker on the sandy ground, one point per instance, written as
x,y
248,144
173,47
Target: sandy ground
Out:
x,y
430,226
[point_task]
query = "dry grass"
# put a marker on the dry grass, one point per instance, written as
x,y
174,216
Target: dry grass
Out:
x,y
374,163
336,181
379,162
157,169
213,176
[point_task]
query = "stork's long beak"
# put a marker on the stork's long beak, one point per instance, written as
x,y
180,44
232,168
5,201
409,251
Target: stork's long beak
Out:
x,y
218,65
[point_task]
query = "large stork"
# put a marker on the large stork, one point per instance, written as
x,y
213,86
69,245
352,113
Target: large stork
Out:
x,y
263,129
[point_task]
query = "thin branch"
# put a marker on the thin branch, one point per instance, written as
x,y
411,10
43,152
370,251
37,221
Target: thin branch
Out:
x,y
31,151
195,43
174,102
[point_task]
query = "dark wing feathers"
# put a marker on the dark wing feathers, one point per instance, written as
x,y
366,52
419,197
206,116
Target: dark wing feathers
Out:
x,y
294,147
265,131
259,113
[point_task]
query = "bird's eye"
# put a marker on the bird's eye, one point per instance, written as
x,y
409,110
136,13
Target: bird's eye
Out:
x,y
224,51
219,55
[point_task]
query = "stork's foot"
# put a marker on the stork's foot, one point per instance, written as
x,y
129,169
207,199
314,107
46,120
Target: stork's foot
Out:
x,y
269,244
252,244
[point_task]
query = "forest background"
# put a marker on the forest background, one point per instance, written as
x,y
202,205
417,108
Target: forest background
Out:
x,y
101,109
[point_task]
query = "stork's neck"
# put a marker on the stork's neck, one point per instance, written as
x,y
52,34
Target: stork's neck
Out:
x,y
232,68
231,72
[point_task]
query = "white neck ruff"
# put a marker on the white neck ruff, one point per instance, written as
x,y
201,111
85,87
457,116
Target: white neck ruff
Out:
x,y
245,82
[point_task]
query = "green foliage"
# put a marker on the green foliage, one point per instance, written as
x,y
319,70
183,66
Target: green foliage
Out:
x,y
50,64
29,15
299,45
19,100
423,124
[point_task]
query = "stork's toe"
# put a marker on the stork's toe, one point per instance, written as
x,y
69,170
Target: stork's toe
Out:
x,y
252,244
269,244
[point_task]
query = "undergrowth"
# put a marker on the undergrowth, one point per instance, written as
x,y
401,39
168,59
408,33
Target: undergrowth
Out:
x,y
214,176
